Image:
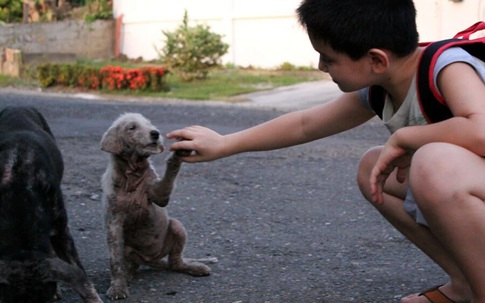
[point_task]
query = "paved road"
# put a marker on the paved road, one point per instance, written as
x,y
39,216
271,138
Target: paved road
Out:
x,y
286,226
293,97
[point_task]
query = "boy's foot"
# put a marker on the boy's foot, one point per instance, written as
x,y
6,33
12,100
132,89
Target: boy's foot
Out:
x,y
437,294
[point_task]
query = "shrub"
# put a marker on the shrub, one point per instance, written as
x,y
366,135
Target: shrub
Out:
x,y
44,75
99,10
89,78
190,52
115,77
107,77
287,66
11,11
155,76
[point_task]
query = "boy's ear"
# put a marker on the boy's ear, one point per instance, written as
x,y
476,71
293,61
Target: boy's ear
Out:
x,y
379,60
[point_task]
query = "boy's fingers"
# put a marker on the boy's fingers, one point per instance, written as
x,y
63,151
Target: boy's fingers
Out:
x,y
184,133
189,159
402,174
181,145
377,181
178,134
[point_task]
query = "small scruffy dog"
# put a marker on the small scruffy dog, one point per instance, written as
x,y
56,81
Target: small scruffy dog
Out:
x,y
139,230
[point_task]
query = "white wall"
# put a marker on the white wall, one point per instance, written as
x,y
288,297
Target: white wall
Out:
x,y
263,33
442,19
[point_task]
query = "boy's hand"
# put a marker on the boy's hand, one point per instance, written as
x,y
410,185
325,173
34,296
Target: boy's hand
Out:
x,y
391,157
204,144
180,153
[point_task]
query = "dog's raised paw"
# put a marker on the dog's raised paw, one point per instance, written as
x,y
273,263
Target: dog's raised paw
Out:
x,y
183,152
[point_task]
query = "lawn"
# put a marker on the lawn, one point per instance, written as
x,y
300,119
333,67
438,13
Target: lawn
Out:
x,y
227,84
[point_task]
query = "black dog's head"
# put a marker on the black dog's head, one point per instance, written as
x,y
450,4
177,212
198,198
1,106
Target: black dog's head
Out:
x,y
16,122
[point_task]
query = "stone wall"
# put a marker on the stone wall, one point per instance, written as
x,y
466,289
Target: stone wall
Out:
x,y
60,39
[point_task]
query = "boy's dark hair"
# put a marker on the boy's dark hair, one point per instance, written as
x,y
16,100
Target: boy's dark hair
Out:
x,y
355,26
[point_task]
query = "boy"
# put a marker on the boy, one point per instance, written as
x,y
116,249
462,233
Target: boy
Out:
x,y
428,180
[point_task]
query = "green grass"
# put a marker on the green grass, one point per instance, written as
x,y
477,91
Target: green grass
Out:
x,y
6,81
223,85
227,84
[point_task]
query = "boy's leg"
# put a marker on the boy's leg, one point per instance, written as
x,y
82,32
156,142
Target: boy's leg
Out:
x,y
392,209
448,183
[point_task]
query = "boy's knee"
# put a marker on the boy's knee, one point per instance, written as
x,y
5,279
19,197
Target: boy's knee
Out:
x,y
365,167
429,159
430,165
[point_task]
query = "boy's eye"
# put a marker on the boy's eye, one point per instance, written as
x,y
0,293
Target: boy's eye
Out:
x,y
325,60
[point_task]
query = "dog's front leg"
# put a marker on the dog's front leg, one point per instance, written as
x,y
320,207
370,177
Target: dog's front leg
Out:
x,y
159,192
74,277
119,284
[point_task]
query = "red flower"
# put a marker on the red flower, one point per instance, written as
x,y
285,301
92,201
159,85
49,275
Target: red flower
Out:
x,y
115,77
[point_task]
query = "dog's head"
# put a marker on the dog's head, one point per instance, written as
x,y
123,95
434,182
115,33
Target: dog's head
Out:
x,y
130,134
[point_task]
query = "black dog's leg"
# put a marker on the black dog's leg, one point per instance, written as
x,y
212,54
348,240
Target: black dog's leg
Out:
x,y
62,240
65,248
75,277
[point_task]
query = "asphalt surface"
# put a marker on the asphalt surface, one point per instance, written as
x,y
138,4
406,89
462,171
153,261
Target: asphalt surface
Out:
x,y
286,226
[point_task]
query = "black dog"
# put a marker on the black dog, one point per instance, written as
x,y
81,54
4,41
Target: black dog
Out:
x,y
36,247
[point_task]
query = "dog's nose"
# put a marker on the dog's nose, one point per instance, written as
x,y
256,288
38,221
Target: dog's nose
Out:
x,y
154,134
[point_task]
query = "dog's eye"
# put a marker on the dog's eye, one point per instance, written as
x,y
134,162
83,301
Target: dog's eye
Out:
x,y
132,127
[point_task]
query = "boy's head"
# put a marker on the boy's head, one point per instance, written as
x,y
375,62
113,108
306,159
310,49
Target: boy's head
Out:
x,y
353,27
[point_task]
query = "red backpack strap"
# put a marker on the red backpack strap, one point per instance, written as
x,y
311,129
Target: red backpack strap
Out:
x,y
465,34
432,104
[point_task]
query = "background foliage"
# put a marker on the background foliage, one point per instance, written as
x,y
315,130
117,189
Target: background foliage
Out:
x,y
11,11
108,77
191,51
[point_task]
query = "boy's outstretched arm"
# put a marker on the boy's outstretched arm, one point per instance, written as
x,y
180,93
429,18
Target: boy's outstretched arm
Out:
x,y
290,129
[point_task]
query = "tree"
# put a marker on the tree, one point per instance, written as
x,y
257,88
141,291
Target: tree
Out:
x,y
191,52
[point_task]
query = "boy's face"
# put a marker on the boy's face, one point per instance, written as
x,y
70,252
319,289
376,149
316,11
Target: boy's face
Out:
x,y
348,74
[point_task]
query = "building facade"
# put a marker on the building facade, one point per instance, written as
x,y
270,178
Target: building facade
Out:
x,y
262,33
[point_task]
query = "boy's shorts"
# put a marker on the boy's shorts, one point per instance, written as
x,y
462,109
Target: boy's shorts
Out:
x,y
412,208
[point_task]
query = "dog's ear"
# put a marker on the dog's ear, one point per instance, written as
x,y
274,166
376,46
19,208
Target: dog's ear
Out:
x,y
110,142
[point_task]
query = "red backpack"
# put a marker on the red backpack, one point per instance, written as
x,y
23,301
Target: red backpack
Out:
x,y
431,102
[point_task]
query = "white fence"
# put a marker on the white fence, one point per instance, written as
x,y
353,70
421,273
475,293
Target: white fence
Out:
x,y
262,33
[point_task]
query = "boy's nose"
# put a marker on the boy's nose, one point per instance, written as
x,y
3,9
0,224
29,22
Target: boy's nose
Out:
x,y
323,67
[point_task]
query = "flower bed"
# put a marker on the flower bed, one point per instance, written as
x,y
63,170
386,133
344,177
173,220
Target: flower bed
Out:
x,y
106,78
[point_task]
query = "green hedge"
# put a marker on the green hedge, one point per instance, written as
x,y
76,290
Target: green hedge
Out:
x,y
106,78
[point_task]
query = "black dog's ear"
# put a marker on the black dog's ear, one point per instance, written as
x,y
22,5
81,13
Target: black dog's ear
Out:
x,y
111,142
